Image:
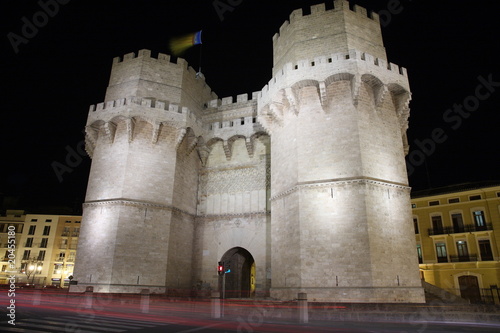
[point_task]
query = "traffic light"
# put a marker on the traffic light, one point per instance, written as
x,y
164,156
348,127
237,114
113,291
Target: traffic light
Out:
x,y
220,268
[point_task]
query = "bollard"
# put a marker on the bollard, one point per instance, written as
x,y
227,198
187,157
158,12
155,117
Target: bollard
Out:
x,y
215,304
88,297
145,300
303,311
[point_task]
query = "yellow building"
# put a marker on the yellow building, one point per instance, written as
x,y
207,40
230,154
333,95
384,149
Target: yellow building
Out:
x,y
458,239
13,221
63,255
45,248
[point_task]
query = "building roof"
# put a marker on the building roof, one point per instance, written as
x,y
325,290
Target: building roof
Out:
x,y
455,188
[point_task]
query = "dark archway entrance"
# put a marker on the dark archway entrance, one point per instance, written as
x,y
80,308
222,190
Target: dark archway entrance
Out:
x,y
469,288
240,281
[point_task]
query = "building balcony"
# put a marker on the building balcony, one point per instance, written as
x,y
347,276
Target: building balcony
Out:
x,y
459,229
65,234
464,258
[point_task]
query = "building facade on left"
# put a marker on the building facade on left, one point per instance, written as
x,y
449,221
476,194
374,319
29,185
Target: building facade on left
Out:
x,y
45,248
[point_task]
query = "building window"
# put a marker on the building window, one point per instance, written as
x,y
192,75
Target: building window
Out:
x,y
4,268
475,197
41,255
57,268
46,230
64,244
479,220
437,225
434,203
68,221
441,252
32,230
44,242
419,253
485,249
498,194
413,205
415,225
71,257
48,220
26,254
61,256
29,242
76,232
453,200
66,231
77,221
34,220
458,222
463,252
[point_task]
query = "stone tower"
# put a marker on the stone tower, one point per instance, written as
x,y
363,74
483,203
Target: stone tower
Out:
x,y
141,197
337,114
300,188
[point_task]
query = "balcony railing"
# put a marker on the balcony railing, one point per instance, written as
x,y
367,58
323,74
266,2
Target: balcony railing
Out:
x,y
465,258
460,229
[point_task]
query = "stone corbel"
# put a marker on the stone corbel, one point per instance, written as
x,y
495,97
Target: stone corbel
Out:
x,y
91,134
130,128
180,137
227,149
192,141
355,88
402,105
322,92
293,100
380,95
203,153
276,110
250,146
110,130
155,133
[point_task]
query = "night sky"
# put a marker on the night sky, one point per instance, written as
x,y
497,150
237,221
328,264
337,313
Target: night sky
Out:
x,y
57,71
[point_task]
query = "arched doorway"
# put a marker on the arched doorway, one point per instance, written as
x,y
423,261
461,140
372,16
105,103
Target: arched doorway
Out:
x,y
469,288
240,281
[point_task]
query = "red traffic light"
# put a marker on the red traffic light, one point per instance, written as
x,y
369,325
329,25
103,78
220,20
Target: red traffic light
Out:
x,y
220,268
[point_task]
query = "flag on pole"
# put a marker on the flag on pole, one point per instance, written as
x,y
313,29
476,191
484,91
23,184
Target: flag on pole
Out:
x,y
179,45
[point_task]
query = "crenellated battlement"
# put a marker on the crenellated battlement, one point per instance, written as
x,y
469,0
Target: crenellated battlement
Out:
x,y
152,73
231,101
144,53
317,11
321,68
133,100
160,111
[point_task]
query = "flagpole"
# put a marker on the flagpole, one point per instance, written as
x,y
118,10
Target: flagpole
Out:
x,y
199,64
200,74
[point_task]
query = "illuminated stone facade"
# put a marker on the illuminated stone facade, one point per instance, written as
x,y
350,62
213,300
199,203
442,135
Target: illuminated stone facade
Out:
x,y
301,187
